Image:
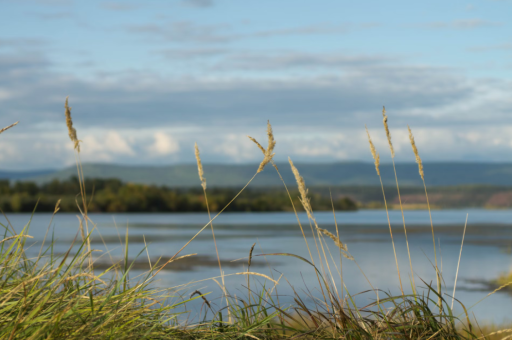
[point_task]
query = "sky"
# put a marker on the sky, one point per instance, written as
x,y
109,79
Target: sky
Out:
x,y
148,79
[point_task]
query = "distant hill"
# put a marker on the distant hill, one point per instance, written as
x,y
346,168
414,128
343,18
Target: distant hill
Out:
x,y
22,175
332,174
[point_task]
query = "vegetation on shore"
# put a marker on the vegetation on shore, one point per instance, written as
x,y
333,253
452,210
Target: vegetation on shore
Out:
x,y
112,195
51,296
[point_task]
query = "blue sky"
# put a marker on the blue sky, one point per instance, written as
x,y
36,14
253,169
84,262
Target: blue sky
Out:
x,y
147,79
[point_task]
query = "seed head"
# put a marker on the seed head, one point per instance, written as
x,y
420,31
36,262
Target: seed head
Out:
x,y
8,127
388,134
304,199
250,255
268,154
375,155
416,154
200,168
71,129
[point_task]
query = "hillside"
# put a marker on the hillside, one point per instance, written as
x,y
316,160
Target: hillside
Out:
x,y
23,175
333,174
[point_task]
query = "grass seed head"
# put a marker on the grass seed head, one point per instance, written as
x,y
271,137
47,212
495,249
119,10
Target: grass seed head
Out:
x,y
388,134
416,154
57,207
8,127
200,168
337,242
269,152
250,254
257,144
304,199
71,129
375,155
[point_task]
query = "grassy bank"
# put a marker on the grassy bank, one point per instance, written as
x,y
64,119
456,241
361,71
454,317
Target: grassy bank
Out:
x,y
61,296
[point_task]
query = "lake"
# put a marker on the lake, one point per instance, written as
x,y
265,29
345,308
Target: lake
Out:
x,y
486,252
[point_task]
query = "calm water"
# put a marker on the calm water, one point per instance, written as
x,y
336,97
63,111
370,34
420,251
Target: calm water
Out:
x,y
485,255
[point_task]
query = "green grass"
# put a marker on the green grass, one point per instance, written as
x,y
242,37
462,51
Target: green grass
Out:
x,y
59,297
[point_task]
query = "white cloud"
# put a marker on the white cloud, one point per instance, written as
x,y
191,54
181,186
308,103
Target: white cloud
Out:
x,y
106,146
237,147
164,144
117,144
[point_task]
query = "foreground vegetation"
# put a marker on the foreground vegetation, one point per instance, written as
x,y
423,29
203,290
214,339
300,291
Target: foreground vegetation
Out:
x,y
52,296
60,297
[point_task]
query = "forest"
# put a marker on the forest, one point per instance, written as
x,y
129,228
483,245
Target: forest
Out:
x,y
113,195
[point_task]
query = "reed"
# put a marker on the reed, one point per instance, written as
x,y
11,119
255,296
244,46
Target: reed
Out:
x,y
422,175
376,159
289,196
392,150
81,179
203,185
306,204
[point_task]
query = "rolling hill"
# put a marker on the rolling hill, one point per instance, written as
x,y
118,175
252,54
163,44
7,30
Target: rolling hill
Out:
x,y
332,174
23,175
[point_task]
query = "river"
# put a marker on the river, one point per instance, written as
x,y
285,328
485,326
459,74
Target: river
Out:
x,y
486,251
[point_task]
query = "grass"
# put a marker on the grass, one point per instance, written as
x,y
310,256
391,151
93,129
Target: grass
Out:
x,y
53,296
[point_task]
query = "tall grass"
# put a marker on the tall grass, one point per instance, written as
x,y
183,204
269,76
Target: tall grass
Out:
x,y
54,296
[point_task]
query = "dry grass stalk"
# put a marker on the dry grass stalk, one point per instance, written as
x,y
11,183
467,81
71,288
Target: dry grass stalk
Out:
x,y
69,124
377,162
200,168
264,151
248,269
202,296
392,150
304,199
291,201
416,154
8,127
269,152
57,207
388,134
500,332
337,242
306,203
250,255
81,179
258,274
203,184
13,237
375,155
420,169
258,144
458,264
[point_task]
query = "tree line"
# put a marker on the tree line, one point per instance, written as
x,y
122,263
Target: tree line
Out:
x,y
113,195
